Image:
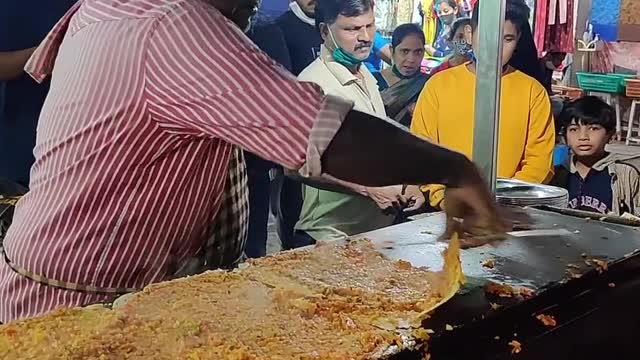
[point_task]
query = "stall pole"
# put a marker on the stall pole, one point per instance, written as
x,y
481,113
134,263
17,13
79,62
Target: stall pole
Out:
x,y
488,80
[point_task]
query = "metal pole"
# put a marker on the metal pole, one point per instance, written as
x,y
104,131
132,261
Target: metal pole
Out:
x,y
488,80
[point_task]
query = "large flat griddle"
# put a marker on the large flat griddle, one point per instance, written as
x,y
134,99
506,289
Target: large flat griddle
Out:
x,y
594,312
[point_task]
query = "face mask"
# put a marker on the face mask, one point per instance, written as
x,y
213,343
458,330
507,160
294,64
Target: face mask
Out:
x,y
447,19
341,56
463,48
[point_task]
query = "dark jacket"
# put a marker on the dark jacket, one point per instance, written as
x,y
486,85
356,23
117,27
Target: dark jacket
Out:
x,y
625,180
269,38
302,39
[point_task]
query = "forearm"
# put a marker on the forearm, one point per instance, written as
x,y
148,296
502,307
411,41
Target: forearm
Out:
x,y
328,183
12,63
375,152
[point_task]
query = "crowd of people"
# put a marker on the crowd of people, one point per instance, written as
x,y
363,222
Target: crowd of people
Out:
x,y
437,104
161,151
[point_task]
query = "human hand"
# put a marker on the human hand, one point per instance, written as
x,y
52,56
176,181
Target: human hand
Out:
x,y
388,197
473,214
414,198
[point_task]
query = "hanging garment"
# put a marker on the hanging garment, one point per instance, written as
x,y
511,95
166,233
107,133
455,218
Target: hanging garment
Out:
x,y
559,37
540,26
558,11
553,6
563,9
385,13
430,21
404,12
629,22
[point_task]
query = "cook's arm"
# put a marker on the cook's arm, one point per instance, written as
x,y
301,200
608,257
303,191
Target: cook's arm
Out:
x,y
327,183
373,152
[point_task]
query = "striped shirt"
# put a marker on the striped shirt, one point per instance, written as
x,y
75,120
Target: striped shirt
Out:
x,y
147,100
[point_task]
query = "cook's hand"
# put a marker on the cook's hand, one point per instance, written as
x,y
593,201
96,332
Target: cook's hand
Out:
x,y
414,198
473,214
388,197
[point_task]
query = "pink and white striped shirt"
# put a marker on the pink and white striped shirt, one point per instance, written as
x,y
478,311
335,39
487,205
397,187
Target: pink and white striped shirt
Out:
x,y
147,100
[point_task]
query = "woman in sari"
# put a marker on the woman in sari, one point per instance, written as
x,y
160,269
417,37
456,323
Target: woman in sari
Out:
x,y
401,84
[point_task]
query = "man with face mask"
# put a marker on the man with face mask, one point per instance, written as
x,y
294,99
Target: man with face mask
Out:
x,y
348,30
137,155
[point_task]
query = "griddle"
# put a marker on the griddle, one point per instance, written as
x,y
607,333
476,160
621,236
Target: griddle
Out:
x,y
598,314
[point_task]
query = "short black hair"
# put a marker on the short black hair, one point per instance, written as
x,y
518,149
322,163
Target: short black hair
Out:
x,y
516,11
452,3
588,110
459,23
405,30
327,11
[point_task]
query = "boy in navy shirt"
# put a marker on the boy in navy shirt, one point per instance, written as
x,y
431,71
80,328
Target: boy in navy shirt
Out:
x,y
597,181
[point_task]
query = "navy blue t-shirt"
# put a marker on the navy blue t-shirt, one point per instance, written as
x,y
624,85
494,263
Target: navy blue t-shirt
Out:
x,y
23,24
303,41
593,193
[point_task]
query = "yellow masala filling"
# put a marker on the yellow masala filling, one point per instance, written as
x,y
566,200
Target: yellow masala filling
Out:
x,y
334,301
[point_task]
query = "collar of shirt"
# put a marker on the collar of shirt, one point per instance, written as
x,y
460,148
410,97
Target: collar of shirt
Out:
x,y
339,71
361,87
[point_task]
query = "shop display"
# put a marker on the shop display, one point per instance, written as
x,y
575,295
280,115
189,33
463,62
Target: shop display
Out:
x,y
333,301
559,34
604,17
629,23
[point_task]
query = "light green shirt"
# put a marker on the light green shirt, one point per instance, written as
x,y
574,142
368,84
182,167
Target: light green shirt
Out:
x,y
329,215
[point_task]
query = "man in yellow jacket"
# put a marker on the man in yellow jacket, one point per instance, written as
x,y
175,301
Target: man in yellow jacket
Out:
x,y
445,111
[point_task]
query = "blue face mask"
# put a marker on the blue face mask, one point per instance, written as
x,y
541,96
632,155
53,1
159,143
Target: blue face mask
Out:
x,y
342,57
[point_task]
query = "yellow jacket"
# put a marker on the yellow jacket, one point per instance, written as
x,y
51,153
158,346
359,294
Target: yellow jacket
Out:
x,y
444,114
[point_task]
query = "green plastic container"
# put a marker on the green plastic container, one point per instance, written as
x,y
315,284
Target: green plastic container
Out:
x,y
605,83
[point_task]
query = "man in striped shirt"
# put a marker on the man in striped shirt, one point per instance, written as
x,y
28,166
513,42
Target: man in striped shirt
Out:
x,y
149,100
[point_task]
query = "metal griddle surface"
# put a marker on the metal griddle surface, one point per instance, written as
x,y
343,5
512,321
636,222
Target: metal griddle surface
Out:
x,y
537,262
533,261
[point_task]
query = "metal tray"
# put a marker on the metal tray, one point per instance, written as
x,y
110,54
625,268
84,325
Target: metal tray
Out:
x,y
515,192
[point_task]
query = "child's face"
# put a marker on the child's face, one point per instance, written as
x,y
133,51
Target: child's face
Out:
x,y
587,140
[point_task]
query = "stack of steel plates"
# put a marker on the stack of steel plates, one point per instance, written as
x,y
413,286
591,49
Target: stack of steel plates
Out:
x,y
520,193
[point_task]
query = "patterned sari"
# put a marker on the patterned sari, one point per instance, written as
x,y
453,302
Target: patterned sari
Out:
x,y
400,99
